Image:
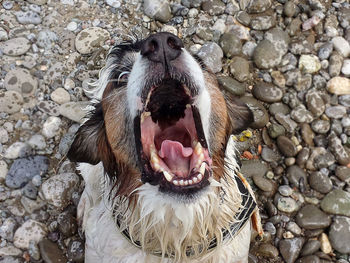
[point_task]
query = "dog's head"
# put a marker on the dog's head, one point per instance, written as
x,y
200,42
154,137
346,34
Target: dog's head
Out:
x,y
161,119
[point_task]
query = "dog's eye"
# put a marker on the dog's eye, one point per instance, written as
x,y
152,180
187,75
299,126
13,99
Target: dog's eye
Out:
x,y
123,76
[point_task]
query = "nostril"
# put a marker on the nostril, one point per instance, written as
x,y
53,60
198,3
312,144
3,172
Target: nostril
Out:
x,y
152,46
173,43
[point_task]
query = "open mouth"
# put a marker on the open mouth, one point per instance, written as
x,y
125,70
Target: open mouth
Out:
x,y
173,150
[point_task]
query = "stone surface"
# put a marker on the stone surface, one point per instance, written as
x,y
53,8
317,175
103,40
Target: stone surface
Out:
x,y
310,217
266,56
339,234
286,146
74,111
57,190
158,9
290,248
342,46
267,92
211,55
90,39
320,182
309,64
231,85
10,101
20,80
231,45
336,202
31,230
339,86
50,252
239,68
15,46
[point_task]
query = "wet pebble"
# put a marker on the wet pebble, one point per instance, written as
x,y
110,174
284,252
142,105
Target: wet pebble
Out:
x,y
211,55
336,202
264,184
286,122
75,251
321,126
50,252
267,92
285,190
290,248
266,55
295,175
286,146
310,217
315,103
287,205
301,114
310,247
339,234
338,150
213,7
231,45
232,85
267,250
261,116
239,68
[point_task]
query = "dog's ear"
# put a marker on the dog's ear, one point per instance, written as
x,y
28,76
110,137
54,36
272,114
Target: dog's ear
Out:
x,y
90,143
239,114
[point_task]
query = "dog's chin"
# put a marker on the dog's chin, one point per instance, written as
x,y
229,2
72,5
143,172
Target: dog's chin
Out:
x,y
171,145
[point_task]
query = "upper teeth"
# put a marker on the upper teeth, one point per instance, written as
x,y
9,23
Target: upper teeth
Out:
x,y
168,176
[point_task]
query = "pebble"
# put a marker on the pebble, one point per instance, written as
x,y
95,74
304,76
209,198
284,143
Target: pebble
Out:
x,y
320,126
49,107
286,146
50,252
310,247
336,112
339,86
338,150
335,64
76,251
294,228
211,55
24,169
267,92
336,202
263,22
31,230
309,64
18,150
74,111
342,172
8,228
10,251
90,39
346,67
57,190
231,45
295,175
264,183
37,142
253,167
20,80
60,96
33,250
290,248
285,190
231,85
28,17
289,8
287,204
286,122
51,127
213,7
72,26
300,114
339,234
3,170
325,244
309,259
46,39
315,103
248,48
266,55
113,3
67,224
342,46
267,250
15,46
239,68
258,6
325,50
158,9
310,217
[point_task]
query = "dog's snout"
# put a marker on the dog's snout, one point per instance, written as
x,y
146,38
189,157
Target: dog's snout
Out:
x,y
162,47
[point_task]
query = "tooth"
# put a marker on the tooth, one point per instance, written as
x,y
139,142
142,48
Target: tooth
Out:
x,y
175,182
201,156
188,106
156,166
190,182
145,115
198,148
194,143
154,159
186,182
202,169
168,176
200,177
181,182
195,179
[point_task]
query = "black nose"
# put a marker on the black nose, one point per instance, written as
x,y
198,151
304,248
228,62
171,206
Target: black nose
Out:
x,y
162,47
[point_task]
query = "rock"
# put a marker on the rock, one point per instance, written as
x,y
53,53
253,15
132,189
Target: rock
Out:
x,y
295,174
10,251
3,170
289,9
74,111
310,247
320,126
37,142
28,17
301,114
269,155
339,86
88,40
20,80
231,45
290,248
342,46
113,3
157,9
261,116
251,168
286,122
57,190
309,64
51,127
344,100
24,169
18,150
336,112
213,7
310,217
31,230
346,67
339,234
267,250
315,102
266,55
287,204
267,92
76,251
325,51
4,136
326,246
7,229
336,202
258,6
37,2
60,96
248,48
211,55
338,150
263,22
15,46
10,101
309,259
279,38
335,64
46,39
286,146
231,85
3,34
264,183
50,252
49,107
239,68
285,190
279,107
342,172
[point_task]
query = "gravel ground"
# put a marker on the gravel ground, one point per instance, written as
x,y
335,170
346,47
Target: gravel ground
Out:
x,y
288,60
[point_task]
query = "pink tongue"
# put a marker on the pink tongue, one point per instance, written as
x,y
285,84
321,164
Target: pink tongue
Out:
x,y
176,157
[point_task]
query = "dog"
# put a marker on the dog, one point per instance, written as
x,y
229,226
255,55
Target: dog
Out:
x,y
162,182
